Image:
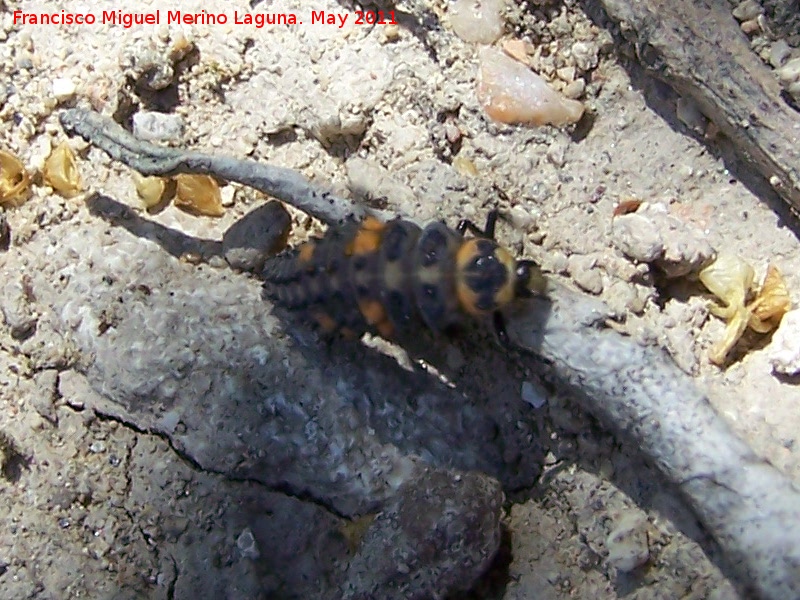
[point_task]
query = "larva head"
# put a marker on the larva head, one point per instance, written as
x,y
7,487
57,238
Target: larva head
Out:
x,y
488,277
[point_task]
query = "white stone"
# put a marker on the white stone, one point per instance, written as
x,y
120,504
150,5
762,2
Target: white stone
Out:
x,y
534,394
63,88
784,351
627,543
511,93
479,21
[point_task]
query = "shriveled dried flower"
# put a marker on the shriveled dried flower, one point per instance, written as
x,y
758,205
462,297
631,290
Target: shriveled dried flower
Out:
x,y
730,279
61,171
150,189
15,183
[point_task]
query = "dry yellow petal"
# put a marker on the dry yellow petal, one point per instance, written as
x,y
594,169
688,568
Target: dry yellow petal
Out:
x,y
734,330
61,171
150,189
729,278
199,194
773,299
15,183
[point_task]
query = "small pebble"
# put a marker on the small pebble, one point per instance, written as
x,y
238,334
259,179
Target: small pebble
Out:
x,y
789,75
637,237
521,218
627,543
566,74
585,55
479,21
585,273
511,93
751,26
747,10
157,127
784,350
574,89
18,315
534,394
390,33
227,195
652,235
555,262
621,297
246,543
589,281
23,61
63,88
779,53
258,234
43,401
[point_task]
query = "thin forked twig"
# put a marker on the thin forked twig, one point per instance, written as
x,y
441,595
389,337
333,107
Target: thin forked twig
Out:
x,y
279,182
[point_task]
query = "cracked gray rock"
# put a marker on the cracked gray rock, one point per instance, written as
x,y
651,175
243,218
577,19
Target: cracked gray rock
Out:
x,y
194,355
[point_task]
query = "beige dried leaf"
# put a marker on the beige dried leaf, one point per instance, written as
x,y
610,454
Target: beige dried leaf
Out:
x,y
199,194
736,326
61,171
15,183
730,279
773,299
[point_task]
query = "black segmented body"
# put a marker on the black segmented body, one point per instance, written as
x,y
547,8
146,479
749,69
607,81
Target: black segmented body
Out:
x,y
391,277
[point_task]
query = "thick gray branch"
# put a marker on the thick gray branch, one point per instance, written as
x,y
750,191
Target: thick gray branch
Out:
x,y
698,49
751,509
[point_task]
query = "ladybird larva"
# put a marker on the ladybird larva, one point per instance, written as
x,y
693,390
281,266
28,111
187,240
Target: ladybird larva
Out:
x,y
391,277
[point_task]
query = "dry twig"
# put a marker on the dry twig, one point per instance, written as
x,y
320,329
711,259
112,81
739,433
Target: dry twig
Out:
x,y
748,506
281,183
698,49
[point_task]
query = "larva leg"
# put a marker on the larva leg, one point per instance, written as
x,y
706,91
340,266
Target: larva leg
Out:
x,y
488,230
500,329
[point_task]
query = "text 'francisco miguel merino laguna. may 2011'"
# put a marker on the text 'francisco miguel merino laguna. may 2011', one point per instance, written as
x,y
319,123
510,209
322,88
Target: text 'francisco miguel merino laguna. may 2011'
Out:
x,y
178,17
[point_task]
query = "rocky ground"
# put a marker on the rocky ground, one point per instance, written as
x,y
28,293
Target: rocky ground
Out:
x,y
140,459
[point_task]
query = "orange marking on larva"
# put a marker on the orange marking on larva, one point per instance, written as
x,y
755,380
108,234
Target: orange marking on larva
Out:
x,y
306,252
385,329
372,310
325,321
348,333
368,238
465,253
466,297
505,295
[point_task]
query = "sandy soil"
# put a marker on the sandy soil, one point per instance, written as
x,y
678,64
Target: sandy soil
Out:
x,y
97,503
